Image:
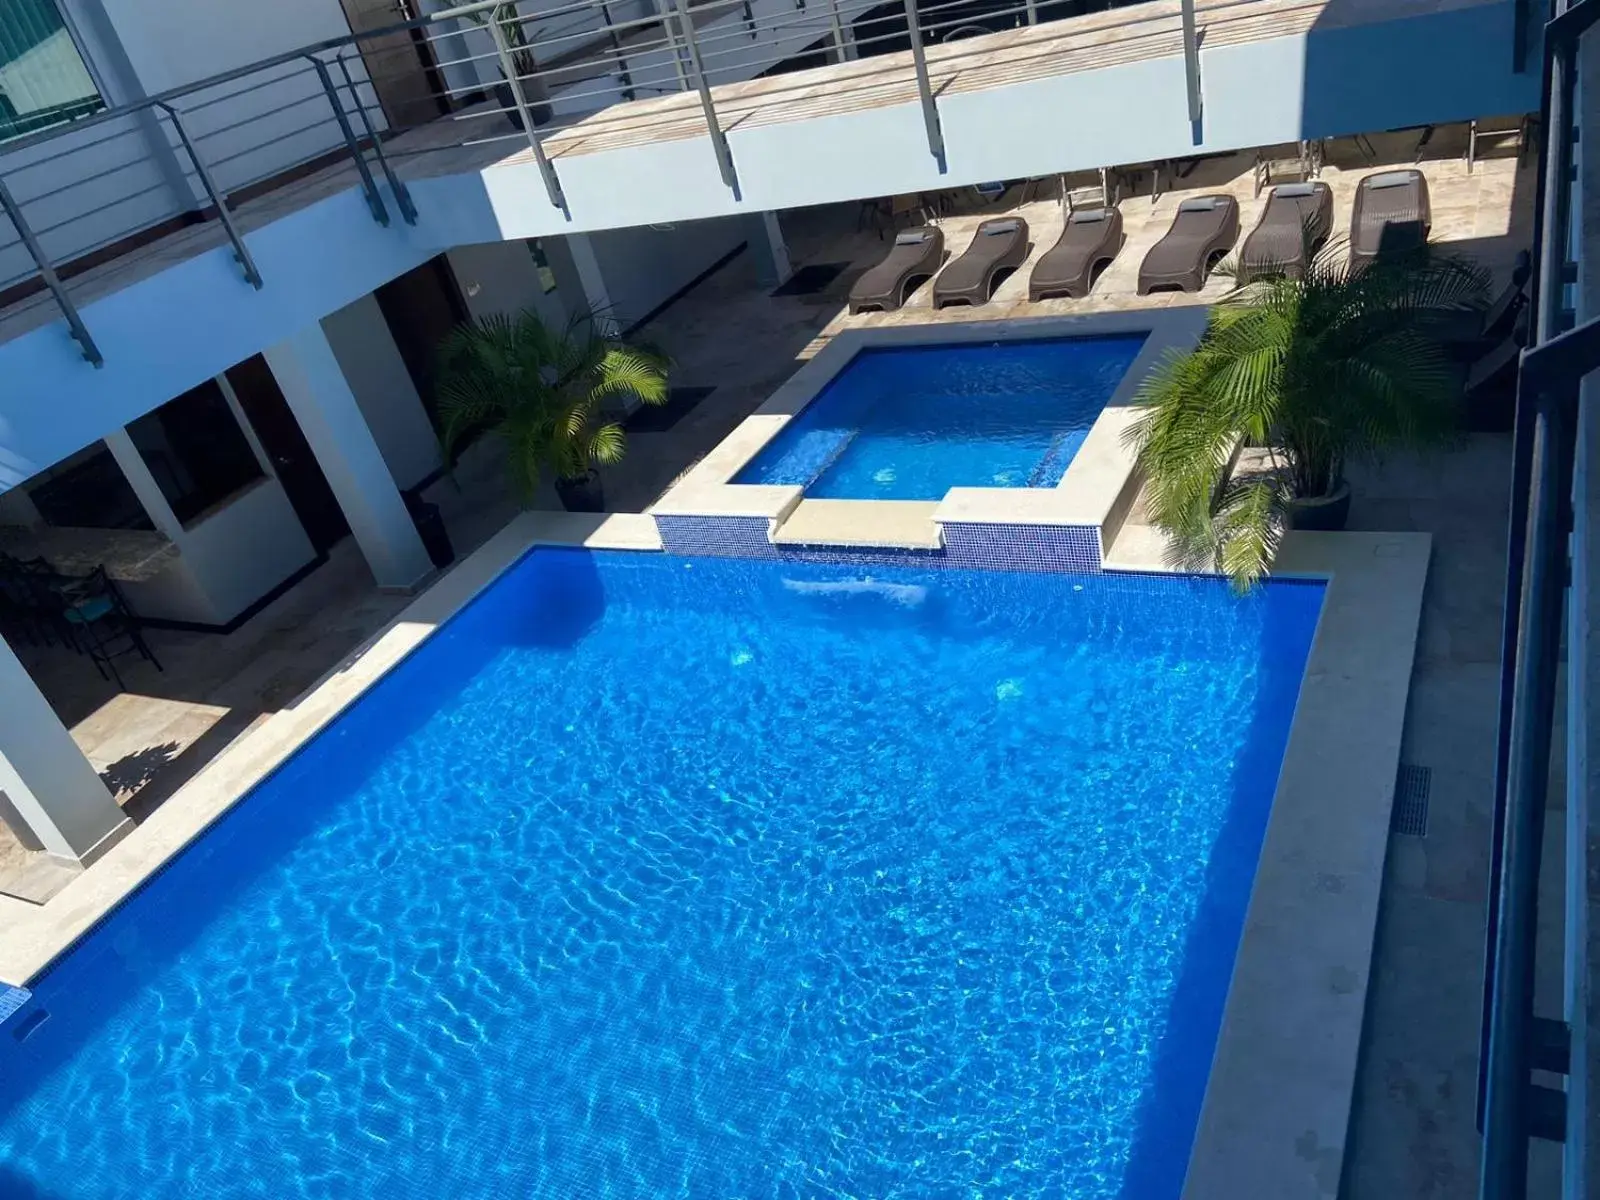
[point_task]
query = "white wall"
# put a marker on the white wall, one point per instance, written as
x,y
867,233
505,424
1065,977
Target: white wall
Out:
x,y
643,267
171,43
383,390
245,549
501,277
142,176
228,558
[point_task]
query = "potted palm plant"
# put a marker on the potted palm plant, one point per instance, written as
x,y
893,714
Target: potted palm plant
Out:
x,y
1314,372
523,62
550,395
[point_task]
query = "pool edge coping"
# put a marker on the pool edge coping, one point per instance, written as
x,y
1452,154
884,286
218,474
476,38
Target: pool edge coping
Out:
x,y
1275,1119
33,936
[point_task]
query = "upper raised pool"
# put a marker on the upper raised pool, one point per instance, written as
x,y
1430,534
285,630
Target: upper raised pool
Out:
x,y
911,422
651,876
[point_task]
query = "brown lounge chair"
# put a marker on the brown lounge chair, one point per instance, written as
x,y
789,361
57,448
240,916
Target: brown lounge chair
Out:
x,y
1000,243
1294,225
915,256
1202,232
1089,242
1391,214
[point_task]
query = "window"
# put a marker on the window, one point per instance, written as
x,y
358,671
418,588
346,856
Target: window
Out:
x,y
88,491
547,277
43,79
195,449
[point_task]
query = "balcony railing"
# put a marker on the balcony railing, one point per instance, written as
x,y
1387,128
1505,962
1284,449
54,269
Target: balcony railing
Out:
x,y
1516,1040
78,195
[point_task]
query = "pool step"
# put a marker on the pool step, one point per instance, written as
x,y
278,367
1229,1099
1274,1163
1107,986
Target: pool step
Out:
x,y
862,524
12,1001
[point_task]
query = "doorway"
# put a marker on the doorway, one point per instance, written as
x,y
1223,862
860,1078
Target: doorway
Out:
x,y
307,487
420,308
401,65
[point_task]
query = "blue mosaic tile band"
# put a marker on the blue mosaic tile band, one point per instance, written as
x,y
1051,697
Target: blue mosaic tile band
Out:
x,y
734,537
1074,549
11,1000
1069,548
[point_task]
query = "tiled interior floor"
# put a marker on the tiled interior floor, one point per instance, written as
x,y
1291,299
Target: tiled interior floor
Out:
x,y
1412,1132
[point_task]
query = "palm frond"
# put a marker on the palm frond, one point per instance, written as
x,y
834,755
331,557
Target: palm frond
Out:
x,y
1334,365
540,390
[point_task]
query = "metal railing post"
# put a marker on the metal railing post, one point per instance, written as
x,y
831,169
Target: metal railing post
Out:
x,y
48,273
930,111
1550,234
719,140
664,10
624,76
1508,1086
402,194
840,45
1033,12
218,201
508,67
1191,61
380,212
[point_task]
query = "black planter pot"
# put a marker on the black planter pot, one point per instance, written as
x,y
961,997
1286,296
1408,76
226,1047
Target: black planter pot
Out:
x,y
1490,409
583,494
505,98
1324,514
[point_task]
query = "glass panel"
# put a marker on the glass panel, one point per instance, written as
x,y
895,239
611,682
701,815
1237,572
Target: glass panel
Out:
x,y
43,81
195,449
88,491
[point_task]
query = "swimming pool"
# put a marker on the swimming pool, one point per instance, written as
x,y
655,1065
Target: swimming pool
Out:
x,y
653,876
911,422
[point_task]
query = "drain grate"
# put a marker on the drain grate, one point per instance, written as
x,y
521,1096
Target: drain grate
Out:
x,y
1411,791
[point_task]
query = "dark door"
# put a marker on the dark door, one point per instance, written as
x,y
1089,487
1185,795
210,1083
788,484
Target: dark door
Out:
x,y
298,470
401,65
421,307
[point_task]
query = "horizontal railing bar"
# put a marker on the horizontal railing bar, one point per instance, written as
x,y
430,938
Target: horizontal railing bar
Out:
x,y
79,181
60,154
210,101
804,36
319,96
219,162
112,203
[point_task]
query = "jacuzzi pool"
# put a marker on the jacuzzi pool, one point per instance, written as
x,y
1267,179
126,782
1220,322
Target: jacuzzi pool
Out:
x,y
911,422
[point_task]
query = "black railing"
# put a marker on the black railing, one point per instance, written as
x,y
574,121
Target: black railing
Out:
x,y
1512,1108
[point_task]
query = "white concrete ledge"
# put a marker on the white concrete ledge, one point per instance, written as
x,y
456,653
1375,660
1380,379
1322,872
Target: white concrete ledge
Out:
x,y
892,524
1277,1105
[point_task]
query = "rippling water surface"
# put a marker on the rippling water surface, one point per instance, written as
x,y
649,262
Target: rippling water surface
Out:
x,y
910,423
657,877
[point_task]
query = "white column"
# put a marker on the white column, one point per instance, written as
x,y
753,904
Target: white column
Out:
x,y
50,784
765,235
308,374
595,293
144,485
16,508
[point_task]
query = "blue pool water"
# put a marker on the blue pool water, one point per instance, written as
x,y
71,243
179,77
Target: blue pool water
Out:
x,y
911,423
652,876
